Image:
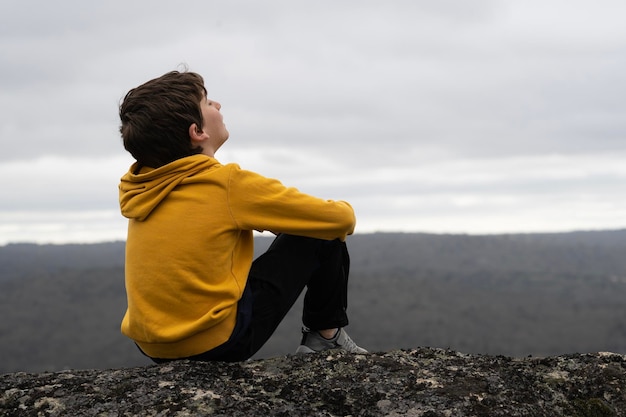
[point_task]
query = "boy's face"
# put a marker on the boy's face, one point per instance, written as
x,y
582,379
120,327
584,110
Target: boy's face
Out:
x,y
213,122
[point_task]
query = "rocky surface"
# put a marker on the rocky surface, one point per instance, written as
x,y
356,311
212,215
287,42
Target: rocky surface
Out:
x,y
419,382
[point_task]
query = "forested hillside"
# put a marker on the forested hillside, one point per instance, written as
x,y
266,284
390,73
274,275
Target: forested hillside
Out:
x,y
517,295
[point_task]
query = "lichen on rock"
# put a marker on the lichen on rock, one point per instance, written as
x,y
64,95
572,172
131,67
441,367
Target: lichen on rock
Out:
x,y
418,382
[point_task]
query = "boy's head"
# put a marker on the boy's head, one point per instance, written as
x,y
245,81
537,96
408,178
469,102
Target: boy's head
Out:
x,y
156,117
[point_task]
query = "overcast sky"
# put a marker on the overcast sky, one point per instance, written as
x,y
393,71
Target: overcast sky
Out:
x,y
447,116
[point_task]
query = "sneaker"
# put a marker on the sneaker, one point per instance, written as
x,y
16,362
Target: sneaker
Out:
x,y
312,341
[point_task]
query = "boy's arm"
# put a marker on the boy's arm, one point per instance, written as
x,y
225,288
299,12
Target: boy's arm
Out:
x,y
260,203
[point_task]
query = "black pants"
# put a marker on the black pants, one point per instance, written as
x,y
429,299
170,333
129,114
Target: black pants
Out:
x,y
276,280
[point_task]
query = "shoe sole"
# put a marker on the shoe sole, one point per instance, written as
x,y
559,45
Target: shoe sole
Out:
x,y
304,349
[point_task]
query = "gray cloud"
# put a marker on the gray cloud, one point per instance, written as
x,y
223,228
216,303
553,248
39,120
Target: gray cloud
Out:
x,y
366,87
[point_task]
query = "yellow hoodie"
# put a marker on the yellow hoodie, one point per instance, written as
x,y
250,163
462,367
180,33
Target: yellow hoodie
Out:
x,y
190,246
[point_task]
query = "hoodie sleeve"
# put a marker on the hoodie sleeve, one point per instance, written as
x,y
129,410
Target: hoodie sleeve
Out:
x,y
265,204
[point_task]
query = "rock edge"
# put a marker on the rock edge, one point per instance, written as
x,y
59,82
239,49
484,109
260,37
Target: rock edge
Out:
x,y
417,382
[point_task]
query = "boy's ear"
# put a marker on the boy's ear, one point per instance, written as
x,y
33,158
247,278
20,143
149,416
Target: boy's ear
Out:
x,y
195,133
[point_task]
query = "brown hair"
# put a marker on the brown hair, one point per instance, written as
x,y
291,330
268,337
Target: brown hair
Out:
x,y
156,117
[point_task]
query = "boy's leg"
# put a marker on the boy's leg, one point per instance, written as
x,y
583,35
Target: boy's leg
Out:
x,y
277,279
279,276
325,305
326,299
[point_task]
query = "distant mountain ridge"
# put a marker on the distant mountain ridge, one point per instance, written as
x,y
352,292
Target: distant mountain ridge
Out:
x,y
517,295
593,248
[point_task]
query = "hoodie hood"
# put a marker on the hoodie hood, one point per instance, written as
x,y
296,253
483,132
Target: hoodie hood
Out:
x,y
141,192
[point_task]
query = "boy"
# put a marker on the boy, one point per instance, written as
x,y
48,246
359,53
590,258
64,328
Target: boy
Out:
x,y
193,290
